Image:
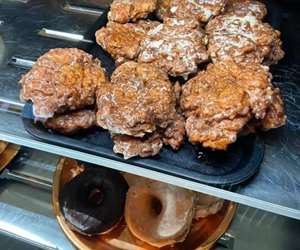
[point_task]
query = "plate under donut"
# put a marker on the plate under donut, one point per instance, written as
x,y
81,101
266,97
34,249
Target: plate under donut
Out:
x,y
204,233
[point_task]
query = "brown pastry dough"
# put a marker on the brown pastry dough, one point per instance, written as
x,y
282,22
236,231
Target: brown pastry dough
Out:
x,y
215,107
122,41
200,10
243,38
176,46
219,102
247,7
158,213
62,80
72,122
130,146
275,116
139,100
123,11
173,135
139,109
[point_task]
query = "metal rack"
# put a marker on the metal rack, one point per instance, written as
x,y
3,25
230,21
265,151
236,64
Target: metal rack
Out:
x,y
28,28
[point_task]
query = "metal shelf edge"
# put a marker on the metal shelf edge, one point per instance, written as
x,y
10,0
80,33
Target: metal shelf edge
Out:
x,y
228,195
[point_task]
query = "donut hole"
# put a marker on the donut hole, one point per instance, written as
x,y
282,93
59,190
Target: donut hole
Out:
x,y
95,196
92,194
156,205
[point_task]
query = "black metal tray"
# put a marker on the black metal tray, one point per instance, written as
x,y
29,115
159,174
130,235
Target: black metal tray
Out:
x,y
237,164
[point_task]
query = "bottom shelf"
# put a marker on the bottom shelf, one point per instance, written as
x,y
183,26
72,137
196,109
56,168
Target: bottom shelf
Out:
x,y
27,220
31,224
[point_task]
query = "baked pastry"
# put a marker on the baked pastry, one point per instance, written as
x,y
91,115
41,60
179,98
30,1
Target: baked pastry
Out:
x,y
174,133
123,11
130,146
139,100
275,116
200,10
176,46
139,109
220,101
158,213
243,38
246,7
62,80
151,144
122,41
93,202
72,122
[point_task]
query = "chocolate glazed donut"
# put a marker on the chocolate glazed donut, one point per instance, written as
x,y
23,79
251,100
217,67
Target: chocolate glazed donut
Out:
x,y
93,202
158,213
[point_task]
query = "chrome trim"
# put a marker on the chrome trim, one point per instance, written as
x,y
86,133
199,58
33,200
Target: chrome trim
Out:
x,y
63,35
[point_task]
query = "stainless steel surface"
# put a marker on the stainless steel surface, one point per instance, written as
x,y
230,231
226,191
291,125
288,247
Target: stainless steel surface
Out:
x,y
63,35
26,214
20,24
9,243
277,186
22,63
33,168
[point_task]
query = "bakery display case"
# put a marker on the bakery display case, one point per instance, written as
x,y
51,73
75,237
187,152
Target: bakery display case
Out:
x,y
258,177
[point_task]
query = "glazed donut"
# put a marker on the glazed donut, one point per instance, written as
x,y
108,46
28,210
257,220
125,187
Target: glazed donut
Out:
x,y
158,213
206,205
93,202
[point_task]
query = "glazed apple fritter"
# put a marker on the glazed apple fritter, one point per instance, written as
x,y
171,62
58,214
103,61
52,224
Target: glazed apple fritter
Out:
x,y
219,102
243,38
72,122
140,103
176,46
62,80
139,99
200,10
246,8
275,116
122,41
130,146
173,135
123,11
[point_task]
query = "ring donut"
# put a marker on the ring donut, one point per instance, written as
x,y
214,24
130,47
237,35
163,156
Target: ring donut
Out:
x,y
93,202
207,205
158,213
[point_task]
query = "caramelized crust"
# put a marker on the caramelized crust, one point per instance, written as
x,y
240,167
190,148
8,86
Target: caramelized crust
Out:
x,y
122,41
219,102
275,116
62,80
247,7
200,10
173,135
243,38
176,46
72,122
123,11
139,100
130,146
